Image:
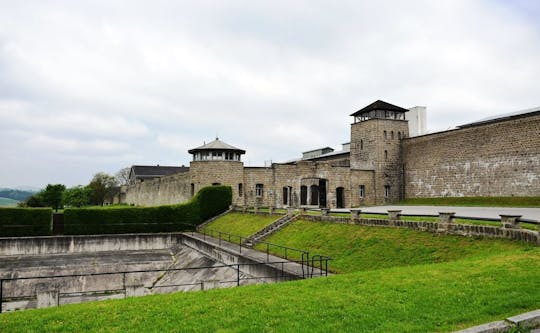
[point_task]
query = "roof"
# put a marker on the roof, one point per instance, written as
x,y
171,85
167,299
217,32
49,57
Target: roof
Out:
x,y
318,149
504,116
216,145
379,105
156,170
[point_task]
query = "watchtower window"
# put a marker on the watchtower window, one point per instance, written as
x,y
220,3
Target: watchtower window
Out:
x,y
385,135
386,191
259,190
386,154
392,135
192,189
240,189
361,191
399,135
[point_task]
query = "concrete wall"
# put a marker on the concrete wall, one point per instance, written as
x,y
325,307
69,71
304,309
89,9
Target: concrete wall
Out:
x,y
11,246
499,159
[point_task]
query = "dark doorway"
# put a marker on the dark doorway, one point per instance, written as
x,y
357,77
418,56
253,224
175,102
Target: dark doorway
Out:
x,y
340,199
303,195
314,191
285,195
322,193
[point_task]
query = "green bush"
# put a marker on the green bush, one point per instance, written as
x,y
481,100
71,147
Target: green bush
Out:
x,y
208,202
16,222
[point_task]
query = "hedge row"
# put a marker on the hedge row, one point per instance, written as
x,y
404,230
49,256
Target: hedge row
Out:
x,y
16,222
208,202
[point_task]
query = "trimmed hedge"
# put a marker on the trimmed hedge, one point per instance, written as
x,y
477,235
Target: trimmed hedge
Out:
x,y
17,222
208,202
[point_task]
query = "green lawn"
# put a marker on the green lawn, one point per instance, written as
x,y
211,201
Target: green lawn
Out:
x,y
439,297
476,201
355,248
240,224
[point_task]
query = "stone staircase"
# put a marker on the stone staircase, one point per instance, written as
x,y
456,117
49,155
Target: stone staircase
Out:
x,y
270,229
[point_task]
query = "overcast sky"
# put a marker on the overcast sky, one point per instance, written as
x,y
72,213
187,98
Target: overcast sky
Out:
x,y
88,86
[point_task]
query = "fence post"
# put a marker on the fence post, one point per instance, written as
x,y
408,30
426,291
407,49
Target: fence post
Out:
x,y
237,275
1,287
355,215
325,211
394,215
510,221
445,220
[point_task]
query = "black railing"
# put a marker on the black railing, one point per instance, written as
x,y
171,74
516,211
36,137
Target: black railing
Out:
x,y
302,257
280,268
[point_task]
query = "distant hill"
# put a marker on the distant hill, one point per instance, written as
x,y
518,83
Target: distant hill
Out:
x,y
17,195
6,202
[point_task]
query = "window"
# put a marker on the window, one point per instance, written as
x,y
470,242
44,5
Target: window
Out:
x,y
386,191
192,189
392,135
259,190
399,135
385,135
216,184
386,154
361,191
361,144
240,190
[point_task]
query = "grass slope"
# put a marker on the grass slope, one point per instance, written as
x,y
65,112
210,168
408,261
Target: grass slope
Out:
x,y
241,224
7,202
356,248
424,298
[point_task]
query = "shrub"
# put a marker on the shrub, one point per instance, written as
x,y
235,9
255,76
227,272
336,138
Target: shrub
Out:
x,y
208,202
25,222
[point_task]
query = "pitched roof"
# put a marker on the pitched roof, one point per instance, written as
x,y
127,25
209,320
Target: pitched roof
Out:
x,y
504,116
216,145
379,105
156,170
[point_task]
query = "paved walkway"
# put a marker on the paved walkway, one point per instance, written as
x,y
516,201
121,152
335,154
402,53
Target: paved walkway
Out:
x,y
486,212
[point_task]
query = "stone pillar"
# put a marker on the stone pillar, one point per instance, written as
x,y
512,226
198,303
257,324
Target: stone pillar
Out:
x,y
355,215
47,295
445,220
210,284
394,215
290,211
135,290
510,221
325,211
271,210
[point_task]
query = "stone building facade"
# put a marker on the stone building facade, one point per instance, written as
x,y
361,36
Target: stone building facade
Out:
x,y
380,165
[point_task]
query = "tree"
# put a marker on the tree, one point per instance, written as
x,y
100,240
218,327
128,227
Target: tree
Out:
x,y
35,200
101,187
122,176
77,196
53,194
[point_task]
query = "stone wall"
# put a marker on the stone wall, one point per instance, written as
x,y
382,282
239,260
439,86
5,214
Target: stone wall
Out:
x,y
168,190
498,159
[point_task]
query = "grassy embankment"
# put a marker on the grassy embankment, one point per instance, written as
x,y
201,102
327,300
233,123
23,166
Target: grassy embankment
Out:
x,y
476,201
239,224
398,280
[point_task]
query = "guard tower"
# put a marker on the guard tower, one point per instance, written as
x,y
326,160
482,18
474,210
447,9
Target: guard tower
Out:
x,y
217,163
376,136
